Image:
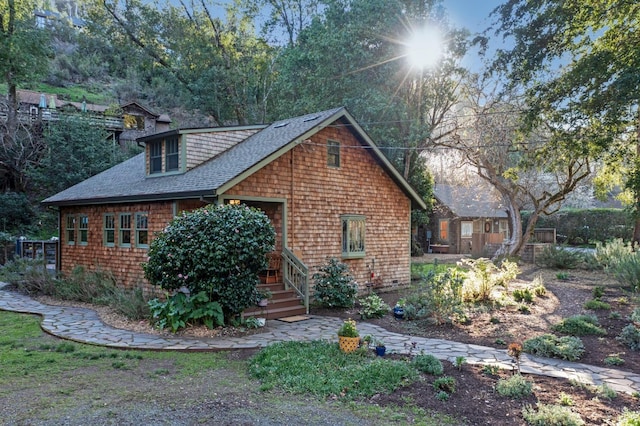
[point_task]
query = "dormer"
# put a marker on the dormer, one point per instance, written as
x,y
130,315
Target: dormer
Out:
x,y
178,151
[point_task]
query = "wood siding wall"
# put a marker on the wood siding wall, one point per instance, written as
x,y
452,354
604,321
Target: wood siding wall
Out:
x,y
317,195
203,146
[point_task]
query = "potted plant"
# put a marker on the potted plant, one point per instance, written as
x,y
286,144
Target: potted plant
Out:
x,y
381,349
348,336
398,310
263,297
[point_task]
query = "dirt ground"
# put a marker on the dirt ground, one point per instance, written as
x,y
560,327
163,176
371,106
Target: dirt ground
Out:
x,y
475,400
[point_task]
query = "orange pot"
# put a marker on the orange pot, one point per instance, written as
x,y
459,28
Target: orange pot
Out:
x,y
348,344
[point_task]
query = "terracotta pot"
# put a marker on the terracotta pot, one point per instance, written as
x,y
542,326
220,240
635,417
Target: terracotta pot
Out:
x,y
348,344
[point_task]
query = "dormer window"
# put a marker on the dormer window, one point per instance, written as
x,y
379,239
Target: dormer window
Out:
x,y
164,155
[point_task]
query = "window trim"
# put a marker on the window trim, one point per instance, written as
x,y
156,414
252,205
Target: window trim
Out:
x,y
468,223
333,153
83,231
347,222
155,156
106,229
70,237
122,229
139,230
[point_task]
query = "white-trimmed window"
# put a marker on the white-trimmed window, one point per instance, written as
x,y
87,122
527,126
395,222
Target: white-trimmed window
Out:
x,y
70,229
466,229
124,234
333,153
142,230
353,236
109,230
83,229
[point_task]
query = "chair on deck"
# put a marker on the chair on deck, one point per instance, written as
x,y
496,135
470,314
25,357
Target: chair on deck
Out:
x,y
272,273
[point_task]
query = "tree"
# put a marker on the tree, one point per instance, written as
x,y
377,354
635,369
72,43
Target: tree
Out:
x,y
23,58
579,65
536,169
218,65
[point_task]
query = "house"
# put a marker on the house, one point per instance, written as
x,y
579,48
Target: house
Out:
x,y
125,123
325,185
467,220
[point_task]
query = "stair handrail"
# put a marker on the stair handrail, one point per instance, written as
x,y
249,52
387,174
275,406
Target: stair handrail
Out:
x,y
295,275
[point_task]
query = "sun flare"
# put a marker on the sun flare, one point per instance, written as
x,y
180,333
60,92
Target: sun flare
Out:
x,y
424,49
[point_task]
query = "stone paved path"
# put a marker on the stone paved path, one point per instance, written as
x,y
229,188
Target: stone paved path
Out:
x,y
84,325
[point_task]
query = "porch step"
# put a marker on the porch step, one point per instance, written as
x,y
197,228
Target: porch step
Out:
x,y
283,303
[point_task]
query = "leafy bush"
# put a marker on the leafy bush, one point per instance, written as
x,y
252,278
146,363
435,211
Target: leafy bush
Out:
x,y
515,386
219,250
609,254
580,325
438,296
597,292
558,257
596,304
523,295
630,337
29,276
181,309
334,287
546,415
428,364
484,275
373,306
629,418
547,345
627,270
16,212
445,384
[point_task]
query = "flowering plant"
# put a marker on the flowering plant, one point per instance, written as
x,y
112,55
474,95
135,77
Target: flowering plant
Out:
x,y
348,329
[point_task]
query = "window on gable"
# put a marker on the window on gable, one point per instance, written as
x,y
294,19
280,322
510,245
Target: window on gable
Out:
x,y
83,230
125,230
155,157
333,154
142,230
109,230
172,155
70,229
353,232
133,122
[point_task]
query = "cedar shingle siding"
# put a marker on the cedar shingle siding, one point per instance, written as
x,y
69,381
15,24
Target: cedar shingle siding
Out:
x,y
281,169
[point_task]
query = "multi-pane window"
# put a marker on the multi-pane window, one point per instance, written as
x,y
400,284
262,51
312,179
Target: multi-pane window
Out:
x,y
109,229
333,154
353,232
171,155
142,229
125,230
466,229
70,229
155,157
83,229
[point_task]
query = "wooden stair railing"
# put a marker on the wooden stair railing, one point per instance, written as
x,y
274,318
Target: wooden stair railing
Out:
x,y
295,275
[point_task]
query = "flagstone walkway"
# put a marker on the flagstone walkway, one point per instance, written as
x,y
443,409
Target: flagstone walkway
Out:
x,y
84,325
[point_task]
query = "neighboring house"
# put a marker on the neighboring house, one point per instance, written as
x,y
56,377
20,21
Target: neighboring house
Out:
x,y
324,184
466,220
125,123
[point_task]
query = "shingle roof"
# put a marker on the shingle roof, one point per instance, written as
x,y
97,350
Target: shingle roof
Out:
x,y
127,181
476,201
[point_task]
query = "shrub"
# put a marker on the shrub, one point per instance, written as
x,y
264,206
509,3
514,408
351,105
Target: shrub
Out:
x,y
558,257
627,270
219,250
373,306
629,418
630,337
181,309
580,325
547,345
428,364
598,292
515,386
334,287
483,276
551,415
445,384
29,276
438,296
609,254
596,304
523,295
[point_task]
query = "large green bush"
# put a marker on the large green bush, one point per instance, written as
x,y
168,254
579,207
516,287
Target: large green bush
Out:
x,y
334,286
219,250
